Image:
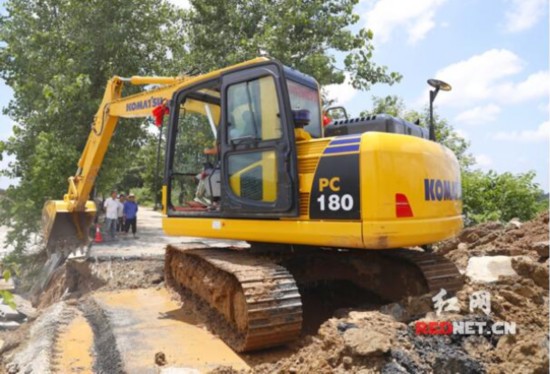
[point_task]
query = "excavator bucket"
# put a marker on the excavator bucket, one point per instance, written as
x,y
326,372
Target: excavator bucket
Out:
x,y
66,231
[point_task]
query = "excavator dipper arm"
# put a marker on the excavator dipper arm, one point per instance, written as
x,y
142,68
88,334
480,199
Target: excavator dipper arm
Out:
x,y
66,222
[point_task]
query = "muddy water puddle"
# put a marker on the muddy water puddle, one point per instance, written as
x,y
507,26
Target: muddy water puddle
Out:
x,y
148,321
75,347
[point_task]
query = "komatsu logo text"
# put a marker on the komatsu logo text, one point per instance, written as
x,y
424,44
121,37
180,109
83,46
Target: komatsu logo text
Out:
x,y
144,104
437,189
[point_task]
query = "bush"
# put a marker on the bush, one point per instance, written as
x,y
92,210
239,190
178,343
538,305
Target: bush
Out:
x,y
489,196
144,196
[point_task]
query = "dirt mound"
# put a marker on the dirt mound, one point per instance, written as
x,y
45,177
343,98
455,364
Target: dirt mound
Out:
x,y
374,342
493,238
74,279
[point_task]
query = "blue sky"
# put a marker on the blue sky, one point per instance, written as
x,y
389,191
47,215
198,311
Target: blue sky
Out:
x,y
494,53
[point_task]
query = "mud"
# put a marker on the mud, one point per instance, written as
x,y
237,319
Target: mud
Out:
x,y
374,342
107,356
36,356
77,278
369,336
73,351
493,238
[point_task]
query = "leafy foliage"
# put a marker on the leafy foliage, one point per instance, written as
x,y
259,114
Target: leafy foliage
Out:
x,y
57,56
6,270
489,196
301,34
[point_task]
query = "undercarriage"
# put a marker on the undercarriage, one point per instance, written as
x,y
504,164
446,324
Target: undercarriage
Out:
x,y
266,295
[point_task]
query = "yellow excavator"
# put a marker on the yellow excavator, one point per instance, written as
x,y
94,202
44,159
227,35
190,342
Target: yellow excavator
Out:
x,y
344,207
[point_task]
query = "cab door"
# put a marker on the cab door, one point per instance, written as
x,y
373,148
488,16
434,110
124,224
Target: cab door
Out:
x,y
259,167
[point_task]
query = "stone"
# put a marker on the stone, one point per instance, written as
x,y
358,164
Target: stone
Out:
x,y
9,314
514,223
541,248
9,325
366,342
395,310
486,269
25,307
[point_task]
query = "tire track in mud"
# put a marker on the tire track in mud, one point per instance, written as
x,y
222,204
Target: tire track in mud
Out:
x,y
107,358
39,354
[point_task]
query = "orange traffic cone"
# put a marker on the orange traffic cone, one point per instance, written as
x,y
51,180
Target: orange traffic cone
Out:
x,y
98,237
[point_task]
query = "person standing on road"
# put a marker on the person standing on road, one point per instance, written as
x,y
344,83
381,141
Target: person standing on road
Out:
x,y
111,214
120,212
130,213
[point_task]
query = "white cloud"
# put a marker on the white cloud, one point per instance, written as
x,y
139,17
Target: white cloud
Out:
x,y
525,14
341,93
473,79
184,4
416,17
479,115
545,107
483,160
536,85
542,133
488,76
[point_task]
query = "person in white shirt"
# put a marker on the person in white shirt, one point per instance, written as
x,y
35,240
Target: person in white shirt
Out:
x,y
120,222
111,214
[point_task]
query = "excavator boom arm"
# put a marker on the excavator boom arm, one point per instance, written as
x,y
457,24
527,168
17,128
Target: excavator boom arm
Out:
x,y
66,221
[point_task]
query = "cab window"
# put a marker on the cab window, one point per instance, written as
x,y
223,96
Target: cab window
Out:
x,y
253,111
253,124
303,97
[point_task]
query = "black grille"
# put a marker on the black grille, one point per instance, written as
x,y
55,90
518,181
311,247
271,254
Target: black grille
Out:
x,y
251,184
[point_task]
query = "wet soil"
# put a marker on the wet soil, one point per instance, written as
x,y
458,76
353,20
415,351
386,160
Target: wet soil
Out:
x,y
365,336
369,341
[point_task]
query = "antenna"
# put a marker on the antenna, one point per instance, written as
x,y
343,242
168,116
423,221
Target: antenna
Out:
x,y
438,85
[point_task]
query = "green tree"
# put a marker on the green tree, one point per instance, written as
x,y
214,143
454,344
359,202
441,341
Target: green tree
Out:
x,y
57,56
489,196
302,34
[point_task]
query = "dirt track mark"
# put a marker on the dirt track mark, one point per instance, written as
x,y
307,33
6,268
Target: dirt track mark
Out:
x,y
108,358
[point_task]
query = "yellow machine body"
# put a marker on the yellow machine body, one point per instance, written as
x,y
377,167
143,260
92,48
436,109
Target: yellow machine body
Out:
x,y
373,190
425,173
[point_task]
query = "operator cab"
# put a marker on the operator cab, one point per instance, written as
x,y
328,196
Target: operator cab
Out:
x,y
230,148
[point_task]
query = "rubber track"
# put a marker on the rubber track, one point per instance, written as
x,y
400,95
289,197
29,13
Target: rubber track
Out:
x,y
439,272
272,315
